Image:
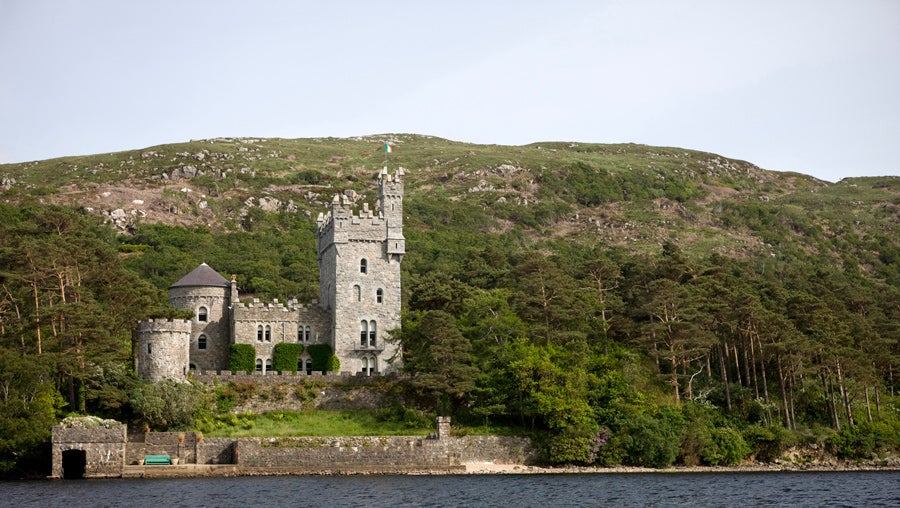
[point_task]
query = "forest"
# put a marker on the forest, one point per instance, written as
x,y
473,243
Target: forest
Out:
x,y
671,347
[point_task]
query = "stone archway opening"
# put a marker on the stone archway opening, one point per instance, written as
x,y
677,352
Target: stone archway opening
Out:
x,y
74,464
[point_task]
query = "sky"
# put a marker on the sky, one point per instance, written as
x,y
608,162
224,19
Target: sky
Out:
x,y
789,85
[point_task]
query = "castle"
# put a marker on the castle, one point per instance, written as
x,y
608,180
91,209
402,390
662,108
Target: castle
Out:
x,y
359,258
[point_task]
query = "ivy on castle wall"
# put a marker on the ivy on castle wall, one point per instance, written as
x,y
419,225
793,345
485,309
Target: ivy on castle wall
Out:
x,y
285,356
243,358
323,359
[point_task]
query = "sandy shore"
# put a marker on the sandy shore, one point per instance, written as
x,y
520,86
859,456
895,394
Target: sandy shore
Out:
x,y
492,468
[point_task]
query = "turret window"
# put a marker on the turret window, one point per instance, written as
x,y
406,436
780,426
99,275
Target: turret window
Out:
x,y
202,315
259,333
362,265
268,333
357,293
201,342
379,295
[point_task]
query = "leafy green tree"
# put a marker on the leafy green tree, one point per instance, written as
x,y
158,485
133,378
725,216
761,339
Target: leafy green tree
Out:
x,y
439,358
169,404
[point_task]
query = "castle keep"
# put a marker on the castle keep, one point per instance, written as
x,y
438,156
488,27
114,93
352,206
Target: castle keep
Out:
x,y
359,257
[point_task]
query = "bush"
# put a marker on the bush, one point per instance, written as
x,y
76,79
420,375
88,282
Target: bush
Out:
x,y
285,356
767,443
322,358
649,441
726,446
169,404
243,357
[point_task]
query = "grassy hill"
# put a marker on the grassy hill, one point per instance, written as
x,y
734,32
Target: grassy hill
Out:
x,y
633,196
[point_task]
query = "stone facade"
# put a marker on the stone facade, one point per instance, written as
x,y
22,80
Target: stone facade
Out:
x,y
163,349
97,452
359,257
111,452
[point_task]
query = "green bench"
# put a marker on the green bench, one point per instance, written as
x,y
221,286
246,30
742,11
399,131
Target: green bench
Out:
x,y
157,460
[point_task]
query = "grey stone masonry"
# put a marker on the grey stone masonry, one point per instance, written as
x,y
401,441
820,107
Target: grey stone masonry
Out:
x,y
359,269
359,256
163,349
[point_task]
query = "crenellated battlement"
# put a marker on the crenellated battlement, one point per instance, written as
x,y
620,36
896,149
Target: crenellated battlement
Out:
x,y
164,325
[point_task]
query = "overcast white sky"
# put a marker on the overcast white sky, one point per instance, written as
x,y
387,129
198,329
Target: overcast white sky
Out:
x,y
808,86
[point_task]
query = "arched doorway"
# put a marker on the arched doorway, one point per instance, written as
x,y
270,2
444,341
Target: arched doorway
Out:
x,y
74,463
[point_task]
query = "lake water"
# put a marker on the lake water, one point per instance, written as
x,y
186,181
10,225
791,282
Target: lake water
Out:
x,y
850,489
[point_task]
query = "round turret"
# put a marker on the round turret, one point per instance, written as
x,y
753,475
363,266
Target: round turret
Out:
x,y
163,349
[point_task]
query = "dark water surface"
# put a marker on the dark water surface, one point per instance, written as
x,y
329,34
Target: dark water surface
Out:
x,y
862,489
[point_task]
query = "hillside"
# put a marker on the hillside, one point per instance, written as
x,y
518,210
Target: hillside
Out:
x,y
629,195
623,304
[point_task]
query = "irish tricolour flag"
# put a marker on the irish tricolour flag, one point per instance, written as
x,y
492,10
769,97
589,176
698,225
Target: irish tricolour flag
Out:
x,y
387,148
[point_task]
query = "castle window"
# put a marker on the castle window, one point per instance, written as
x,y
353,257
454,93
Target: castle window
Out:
x,y
309,366
306,337
357,293
379,295
202,315
372,333
149,349
365,365
363,332
269,365
201,342
362,265
259,333
259,365
268,333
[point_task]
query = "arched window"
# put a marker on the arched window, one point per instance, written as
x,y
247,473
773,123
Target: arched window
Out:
x,y
379,295
259,365
309,366
365,365
268,333
269,365
357,293
362,265
308,333
202,315
372,333
363,332
201,342
299,333
259,333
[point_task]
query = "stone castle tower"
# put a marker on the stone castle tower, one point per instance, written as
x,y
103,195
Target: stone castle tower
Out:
x,y
359,275
359,257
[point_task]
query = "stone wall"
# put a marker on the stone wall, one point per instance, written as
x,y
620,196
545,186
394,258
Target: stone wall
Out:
x,y
380,454
284,323
163,349
217,327
103,447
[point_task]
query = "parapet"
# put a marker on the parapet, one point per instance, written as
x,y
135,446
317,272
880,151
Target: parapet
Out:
x,y
164,325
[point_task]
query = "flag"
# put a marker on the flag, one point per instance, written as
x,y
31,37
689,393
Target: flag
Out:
x,y
387,148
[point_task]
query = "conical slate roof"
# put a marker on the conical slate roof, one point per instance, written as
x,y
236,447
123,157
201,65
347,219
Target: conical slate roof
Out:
x,y
203,276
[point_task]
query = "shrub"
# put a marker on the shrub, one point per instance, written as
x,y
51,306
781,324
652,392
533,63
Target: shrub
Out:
x,y
322,358
649,441
767,443
285,356
726,446
243,357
